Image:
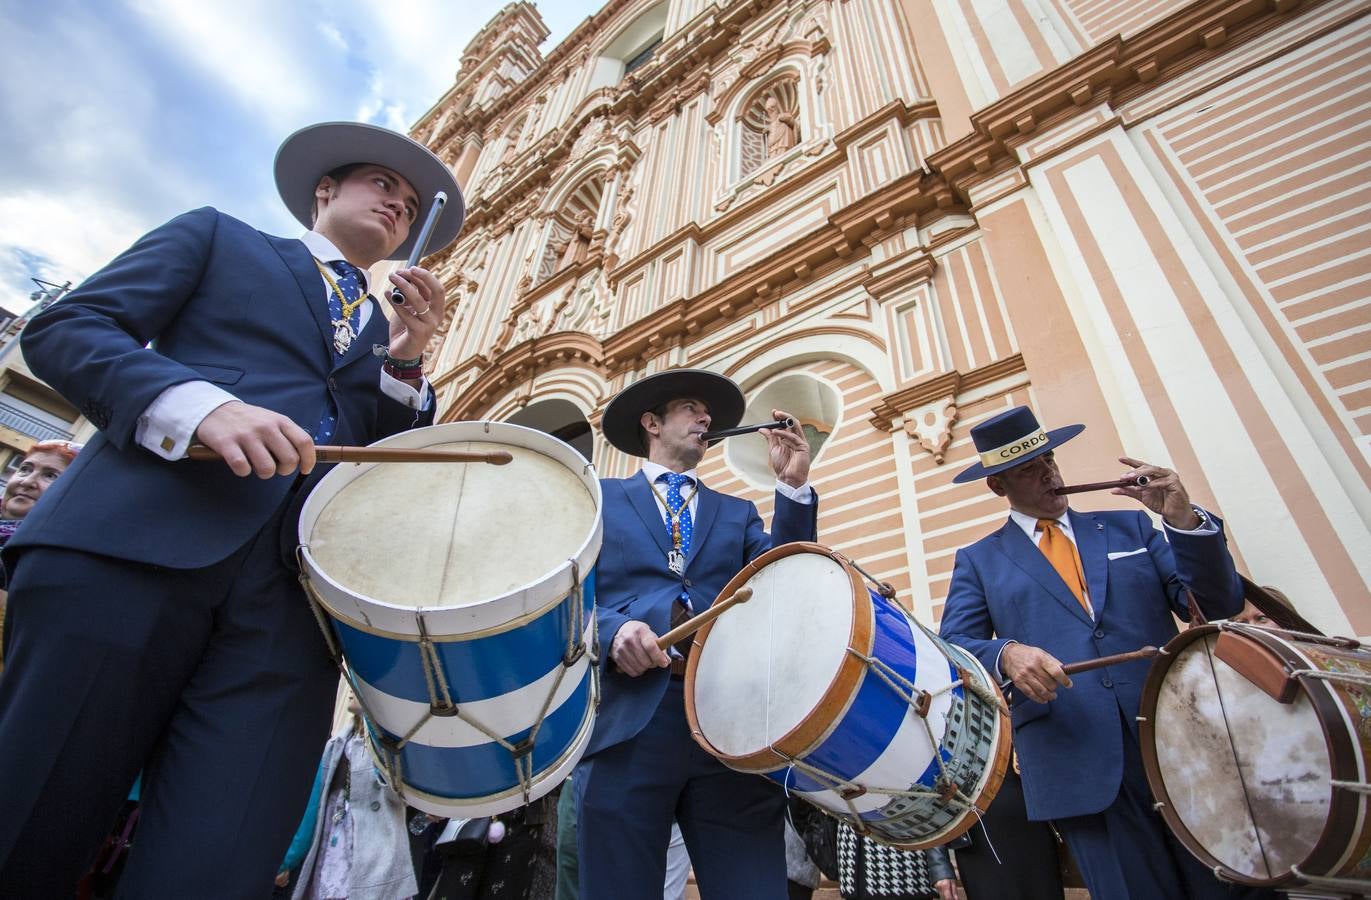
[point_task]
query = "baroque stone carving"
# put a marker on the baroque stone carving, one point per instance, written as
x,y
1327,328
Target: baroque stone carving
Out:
x,y
930,425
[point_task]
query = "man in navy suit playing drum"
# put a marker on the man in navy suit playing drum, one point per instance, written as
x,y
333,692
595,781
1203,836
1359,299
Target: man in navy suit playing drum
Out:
x,y
670,546
1054,585
155,621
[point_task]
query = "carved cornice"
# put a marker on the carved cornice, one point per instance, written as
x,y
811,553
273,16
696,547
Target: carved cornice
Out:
x,y
911,267
954,383
1111,72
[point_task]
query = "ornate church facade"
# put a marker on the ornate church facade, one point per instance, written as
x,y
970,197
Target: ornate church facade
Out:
x,y
895,218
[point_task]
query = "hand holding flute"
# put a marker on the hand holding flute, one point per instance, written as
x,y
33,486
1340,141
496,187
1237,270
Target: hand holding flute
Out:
x,y
787,449
419,301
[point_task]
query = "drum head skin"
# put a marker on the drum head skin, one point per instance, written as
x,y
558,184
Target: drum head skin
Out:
x,y
1245,779
432,534
799,601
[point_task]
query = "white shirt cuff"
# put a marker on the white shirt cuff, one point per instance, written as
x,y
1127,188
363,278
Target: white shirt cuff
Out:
x,y
167,426
400,392
802,494
999,674
1206,525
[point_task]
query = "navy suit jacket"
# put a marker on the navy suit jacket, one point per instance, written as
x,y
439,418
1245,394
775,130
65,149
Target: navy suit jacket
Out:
x,y
1003,588
633,581
204,297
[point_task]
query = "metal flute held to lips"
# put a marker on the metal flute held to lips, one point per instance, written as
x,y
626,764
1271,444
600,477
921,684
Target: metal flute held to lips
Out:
x,y
1130,481
421,243
746,429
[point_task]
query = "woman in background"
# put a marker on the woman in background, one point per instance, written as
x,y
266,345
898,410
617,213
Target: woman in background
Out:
x,y
42,465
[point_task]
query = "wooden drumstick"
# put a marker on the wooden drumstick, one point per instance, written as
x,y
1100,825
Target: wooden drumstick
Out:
x,y
1086,665
332,453
694,624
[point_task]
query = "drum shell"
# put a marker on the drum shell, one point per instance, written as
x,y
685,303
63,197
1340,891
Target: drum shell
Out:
x,y
508,661
1336,714
839,733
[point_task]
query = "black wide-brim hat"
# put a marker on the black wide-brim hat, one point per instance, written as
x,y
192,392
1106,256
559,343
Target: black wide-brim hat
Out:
x,y
315,150
620,421
1011,438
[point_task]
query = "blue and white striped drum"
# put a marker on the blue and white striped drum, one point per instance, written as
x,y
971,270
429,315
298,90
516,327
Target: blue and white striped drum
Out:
x,y
462,599
838,694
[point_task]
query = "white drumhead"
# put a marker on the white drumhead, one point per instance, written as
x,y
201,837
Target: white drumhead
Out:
x,y
1248,776
444,535
767,663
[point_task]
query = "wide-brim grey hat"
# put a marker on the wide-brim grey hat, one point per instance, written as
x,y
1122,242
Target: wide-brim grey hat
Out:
x,y
620,421
315,150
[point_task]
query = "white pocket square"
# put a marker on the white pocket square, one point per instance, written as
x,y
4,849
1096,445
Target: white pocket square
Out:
x,y
1120,554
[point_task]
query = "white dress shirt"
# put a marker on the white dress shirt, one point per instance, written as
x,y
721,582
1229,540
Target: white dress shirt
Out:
x,y
168,425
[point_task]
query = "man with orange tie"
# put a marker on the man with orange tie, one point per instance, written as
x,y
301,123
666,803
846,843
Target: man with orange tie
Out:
x,y
1056,586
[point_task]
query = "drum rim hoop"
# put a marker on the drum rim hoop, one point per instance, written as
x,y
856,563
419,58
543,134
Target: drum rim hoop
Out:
x,y
836,699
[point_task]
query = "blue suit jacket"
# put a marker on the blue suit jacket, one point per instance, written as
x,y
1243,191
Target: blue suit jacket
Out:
x,y
1003,588
203,297
633,581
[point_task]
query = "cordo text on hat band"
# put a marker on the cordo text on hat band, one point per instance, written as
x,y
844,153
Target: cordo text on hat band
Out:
x,y
1001,455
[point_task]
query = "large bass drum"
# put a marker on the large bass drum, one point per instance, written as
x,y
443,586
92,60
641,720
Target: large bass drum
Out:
x,y
835,692
1256,744
461,597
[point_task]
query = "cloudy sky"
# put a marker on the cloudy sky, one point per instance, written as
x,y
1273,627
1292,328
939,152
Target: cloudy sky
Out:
x,y
116,115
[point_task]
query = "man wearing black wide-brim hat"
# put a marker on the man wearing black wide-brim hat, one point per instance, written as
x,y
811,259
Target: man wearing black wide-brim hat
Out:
x,y
155,622
1056,586
670,546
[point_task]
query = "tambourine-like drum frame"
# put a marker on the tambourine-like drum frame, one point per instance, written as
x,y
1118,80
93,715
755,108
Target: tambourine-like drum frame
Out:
x,y
969,757
473,708
1299,812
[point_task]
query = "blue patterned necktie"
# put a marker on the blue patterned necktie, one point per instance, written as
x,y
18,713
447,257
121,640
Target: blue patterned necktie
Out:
x,y
676,503
347,323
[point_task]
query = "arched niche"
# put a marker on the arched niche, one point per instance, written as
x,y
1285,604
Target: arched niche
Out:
x,y
560,418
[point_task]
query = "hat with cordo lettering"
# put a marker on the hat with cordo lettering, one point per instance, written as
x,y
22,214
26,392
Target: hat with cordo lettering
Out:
x,y
1011,438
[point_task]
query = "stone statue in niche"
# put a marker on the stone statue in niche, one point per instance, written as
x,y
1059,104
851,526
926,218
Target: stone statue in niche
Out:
x,y
780,129
622,216
577,244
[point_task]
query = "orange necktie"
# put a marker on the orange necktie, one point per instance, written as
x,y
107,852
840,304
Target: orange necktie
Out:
x,y
1061,552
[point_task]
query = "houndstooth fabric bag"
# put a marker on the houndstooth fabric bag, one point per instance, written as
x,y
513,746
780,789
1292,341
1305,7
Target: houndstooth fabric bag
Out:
x,y
868,870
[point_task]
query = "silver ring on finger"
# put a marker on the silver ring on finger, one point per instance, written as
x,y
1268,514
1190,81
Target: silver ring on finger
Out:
x,y
424,311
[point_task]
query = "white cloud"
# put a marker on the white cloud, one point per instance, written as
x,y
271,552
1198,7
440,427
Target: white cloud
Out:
x,y
250,46
131,112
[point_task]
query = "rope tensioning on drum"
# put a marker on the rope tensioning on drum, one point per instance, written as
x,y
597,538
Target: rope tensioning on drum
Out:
x,y
435,677
1347,677
848,791
316,605
919,701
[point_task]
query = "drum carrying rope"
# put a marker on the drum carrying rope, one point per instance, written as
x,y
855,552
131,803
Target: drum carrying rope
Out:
x,y
919,701
1359,885
848,791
